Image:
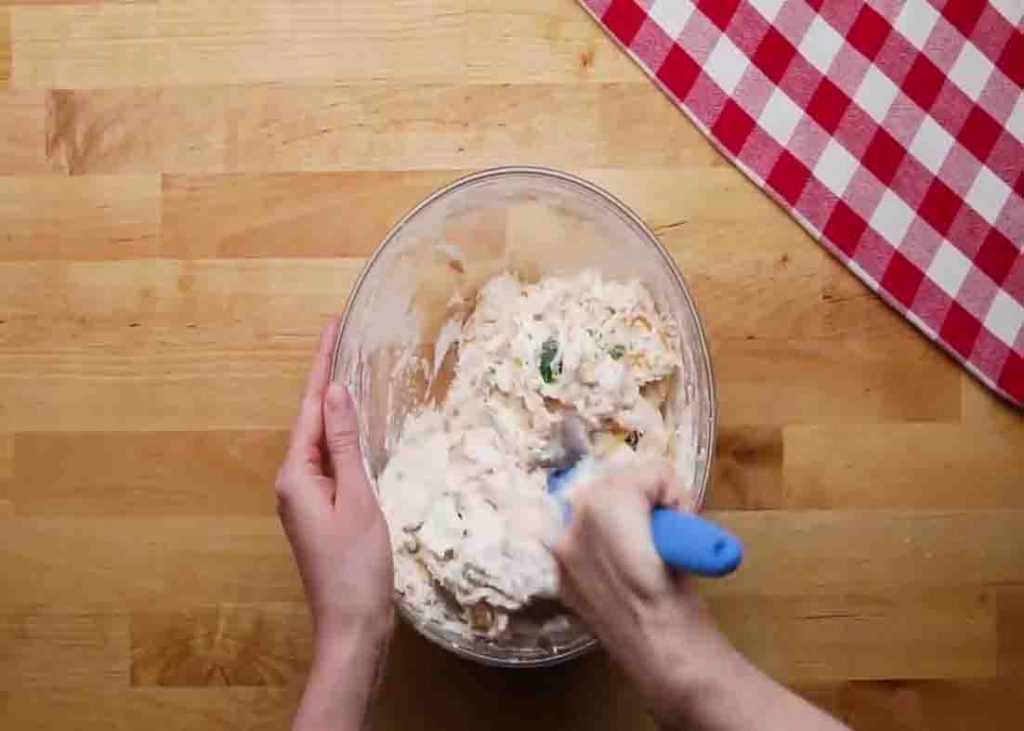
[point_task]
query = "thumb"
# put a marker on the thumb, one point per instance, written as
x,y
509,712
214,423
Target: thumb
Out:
x,y
341,431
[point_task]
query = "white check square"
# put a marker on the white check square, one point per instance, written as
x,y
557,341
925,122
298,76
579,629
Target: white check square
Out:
x,y
726,64
892,217
780,116
835,167
671,15
1005,318
949,268
820,44
768,8
875,94
931,144
1015,122
915,21
987,194
1012,10
971,71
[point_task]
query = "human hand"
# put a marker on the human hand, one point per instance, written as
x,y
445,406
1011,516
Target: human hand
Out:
x,y
340,541
649,618
329,511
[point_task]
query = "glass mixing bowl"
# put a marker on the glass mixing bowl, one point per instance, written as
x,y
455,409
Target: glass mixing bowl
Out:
x,y
533,222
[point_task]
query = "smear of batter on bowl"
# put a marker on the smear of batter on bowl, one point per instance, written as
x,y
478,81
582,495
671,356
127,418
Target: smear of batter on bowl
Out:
x,y
464,491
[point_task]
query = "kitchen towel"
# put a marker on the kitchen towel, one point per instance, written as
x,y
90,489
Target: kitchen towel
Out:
x,y
892,131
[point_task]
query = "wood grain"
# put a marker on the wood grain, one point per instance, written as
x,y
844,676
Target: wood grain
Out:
x,y
224,472
175,709
130,305
822,638
143,473
516,40
195,42
832,351
288,214
588,693
6,457
23,132
164,345
155,563
63,649
263,645
210,560
189,189
70,2
747,469
865,637
5,45
873,552
832,380
906,466
917,705
98,217
936,705
983,409
1010,615
275,128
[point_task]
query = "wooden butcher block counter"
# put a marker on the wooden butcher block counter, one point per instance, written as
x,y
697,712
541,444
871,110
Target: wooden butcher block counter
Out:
x,y
188,189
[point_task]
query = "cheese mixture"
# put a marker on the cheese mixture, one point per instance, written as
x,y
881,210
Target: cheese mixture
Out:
x,y
464,491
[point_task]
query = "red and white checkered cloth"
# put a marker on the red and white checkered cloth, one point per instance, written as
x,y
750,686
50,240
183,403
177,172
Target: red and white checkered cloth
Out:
x,y
893,131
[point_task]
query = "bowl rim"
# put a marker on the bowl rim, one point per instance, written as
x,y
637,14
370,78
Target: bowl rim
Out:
x,y
669,261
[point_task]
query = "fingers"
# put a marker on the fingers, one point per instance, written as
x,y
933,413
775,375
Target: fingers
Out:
x,y
307,434
342,436
654,482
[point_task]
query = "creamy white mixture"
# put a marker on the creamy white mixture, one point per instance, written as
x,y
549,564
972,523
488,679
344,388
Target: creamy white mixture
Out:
x,y
464,491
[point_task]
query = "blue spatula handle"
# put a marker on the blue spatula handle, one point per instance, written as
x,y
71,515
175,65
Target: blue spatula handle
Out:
x,y
683,540
690,543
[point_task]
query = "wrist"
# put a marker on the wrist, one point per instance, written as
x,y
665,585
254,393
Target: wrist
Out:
x,y
687,660
338,641
689,688
349,660
335,633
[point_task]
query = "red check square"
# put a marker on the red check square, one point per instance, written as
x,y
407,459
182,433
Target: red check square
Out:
x,y
940,206
828,105
884,156
773,55
1011,60
679,72
788,177
902,279
624,18
996,256
960,329
719,12
844,228
868,32
963,14
1011,379
733,126
923,82
979,133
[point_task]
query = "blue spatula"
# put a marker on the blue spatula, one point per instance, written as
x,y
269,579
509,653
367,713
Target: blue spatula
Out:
x,y
683,540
